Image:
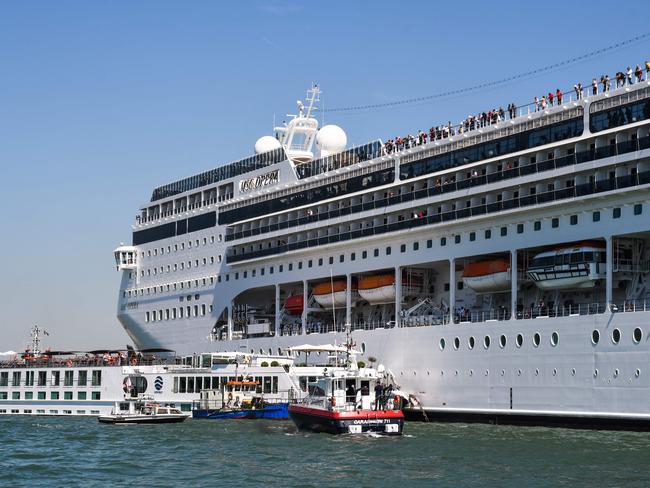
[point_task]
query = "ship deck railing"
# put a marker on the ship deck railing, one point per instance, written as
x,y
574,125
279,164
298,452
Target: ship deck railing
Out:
x,y
18,362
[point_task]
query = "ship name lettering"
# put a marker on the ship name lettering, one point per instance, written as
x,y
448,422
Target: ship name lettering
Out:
x,y
266,179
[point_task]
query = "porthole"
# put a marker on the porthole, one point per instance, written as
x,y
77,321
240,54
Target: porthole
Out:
x,y
637,335
486,342
471,372
442,344
537,339
487,372
554,339
363,347
536,372
456,373
573,372
595,372
470,342
616,373
520,340
616,336
518,372
456,343
637,373
554,372
502,341
503,372
595,337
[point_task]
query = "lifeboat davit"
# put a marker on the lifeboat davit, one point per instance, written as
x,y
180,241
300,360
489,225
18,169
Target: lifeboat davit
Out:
x,y
332,293
569,267
381,288
294,304
488,276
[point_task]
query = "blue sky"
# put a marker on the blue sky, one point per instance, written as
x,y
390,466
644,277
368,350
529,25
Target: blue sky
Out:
x,y
102,101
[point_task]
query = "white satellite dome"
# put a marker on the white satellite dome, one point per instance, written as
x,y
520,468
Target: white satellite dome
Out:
x,y
331,139
266,144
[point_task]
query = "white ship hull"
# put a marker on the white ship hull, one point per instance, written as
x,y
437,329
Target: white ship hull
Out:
x,y
421,215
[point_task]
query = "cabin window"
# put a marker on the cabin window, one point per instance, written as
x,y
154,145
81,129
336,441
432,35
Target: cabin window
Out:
x,y
67,395
504,231
402,248
376,252
638,208
443,241
472,236
573,220
41,395
457,239
81,395
555,338
429,243
616,213
596,216
488,233
29,395
4,378
416,246
520,228
555,222
54,395
637,335
616,336
97,378
353,256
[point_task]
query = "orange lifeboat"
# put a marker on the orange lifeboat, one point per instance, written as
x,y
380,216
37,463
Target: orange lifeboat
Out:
x,y
487,276
328,293
381,288
294,304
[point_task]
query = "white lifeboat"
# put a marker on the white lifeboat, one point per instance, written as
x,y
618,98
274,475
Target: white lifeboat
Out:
x,y
570,267
488,276
381,288
333,293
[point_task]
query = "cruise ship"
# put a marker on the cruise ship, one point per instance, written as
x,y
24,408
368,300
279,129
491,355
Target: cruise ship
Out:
x,y
499,269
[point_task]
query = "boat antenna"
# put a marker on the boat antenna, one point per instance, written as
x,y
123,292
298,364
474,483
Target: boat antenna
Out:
x,y
333,311
36,339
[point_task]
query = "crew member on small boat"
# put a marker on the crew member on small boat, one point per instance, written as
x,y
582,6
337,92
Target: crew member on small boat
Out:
x,y
379,393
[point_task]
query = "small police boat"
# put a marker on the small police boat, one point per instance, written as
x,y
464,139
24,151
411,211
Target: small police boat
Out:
x,y
142,412
350,400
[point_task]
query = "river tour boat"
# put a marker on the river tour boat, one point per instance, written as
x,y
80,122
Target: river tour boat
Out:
x,y
143,411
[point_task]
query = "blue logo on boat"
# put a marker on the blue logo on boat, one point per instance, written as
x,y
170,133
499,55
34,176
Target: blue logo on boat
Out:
x,y
158,383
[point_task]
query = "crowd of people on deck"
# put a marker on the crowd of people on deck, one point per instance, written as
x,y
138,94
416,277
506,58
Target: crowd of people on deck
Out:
x,y
483,119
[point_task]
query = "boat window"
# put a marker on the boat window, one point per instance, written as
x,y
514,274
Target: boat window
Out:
x,y
182,385
316,391
267,384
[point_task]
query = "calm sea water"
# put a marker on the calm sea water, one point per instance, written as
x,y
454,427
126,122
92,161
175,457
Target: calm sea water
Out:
x,y
56,451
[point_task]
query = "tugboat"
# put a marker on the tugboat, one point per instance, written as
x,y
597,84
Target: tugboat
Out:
x,y
350,400
142,411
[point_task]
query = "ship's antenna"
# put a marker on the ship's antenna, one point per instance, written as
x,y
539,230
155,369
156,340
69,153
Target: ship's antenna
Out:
x,y
313,95
36,339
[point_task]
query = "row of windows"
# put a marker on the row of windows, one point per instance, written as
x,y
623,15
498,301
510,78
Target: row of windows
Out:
x,y
351,185
536,372
173,229
180,246
51,412
54,395
615,117
177,313
637,336
536,340
195,384
487,234
168,287
499,147
181,266
41,378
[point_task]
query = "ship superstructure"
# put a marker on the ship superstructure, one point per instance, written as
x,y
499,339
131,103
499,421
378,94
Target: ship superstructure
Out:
x,y
499,270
